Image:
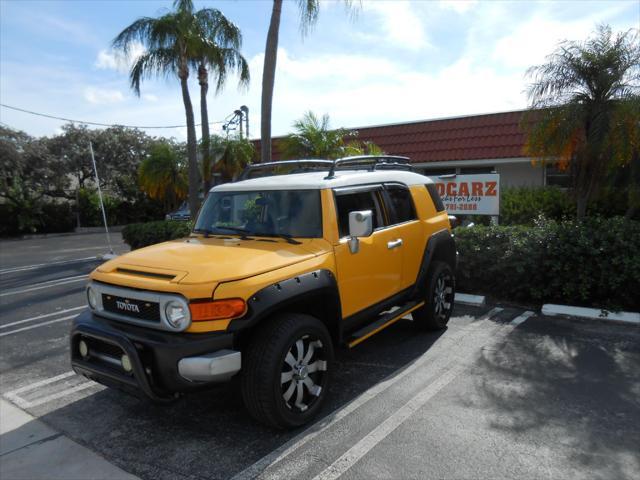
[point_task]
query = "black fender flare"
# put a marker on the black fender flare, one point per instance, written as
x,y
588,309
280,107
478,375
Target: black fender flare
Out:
x,y
285,292
441,246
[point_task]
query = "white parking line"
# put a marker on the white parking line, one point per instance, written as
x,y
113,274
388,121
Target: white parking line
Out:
x,y
316,429
41,383
47,284
19,322
40,265
30,327
522,318
382,431
15,395
62,393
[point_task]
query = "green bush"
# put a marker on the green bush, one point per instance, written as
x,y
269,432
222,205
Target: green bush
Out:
x,y
138,235
522,205
591,263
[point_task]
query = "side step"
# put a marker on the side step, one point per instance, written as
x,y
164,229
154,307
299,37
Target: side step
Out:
x,y
382,322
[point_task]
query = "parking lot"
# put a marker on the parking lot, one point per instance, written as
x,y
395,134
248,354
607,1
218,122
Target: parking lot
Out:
x,y
500,393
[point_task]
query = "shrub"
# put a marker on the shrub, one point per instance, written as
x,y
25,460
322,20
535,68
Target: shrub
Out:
x,y
592,263
522,205
138,235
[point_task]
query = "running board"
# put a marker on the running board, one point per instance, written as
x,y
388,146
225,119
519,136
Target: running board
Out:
x,y
382,322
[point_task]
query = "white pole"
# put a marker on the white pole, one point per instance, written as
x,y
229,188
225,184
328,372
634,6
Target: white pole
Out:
x,y
104,215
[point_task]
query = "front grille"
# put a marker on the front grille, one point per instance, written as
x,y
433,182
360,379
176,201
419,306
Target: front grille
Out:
x,y
131,307
98,346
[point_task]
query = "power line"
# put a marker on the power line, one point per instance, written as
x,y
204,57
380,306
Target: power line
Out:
x,y
97,123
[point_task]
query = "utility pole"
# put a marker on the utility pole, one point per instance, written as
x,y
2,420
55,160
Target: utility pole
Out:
x,y
245,110
104,215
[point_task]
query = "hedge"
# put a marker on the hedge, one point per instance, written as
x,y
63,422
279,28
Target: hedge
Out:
x,y
592,263
138,235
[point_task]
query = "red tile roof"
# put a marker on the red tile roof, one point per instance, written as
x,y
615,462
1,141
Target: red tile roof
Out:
x,y
490,136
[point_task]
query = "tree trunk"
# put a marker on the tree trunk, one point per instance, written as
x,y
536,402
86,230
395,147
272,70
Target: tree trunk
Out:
x,y
268,80
203,79
581,210
192,154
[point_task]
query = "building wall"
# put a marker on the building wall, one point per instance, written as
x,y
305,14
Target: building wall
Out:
x,y
520,175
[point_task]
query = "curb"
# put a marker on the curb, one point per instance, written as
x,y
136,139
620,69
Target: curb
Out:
x,y
467,299
628,318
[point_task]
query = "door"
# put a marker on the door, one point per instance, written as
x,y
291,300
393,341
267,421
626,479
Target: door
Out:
x,y
374,272
404,223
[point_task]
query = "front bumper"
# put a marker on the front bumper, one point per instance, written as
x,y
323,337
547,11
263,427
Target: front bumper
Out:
x,y
162,363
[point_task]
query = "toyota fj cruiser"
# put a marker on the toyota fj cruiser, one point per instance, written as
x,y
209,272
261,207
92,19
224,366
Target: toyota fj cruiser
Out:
x,y
278,270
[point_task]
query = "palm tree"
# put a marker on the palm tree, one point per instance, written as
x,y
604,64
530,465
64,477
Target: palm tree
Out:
x,y
217,51
309,10
313,138
162,175
173,44
581,100
231,155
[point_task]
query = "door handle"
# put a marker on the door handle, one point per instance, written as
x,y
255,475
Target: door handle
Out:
x,y
394,243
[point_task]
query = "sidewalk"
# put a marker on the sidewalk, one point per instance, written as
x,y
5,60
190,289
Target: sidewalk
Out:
x,y
31,450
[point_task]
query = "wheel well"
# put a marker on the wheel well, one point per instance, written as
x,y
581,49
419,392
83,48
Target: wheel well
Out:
x,y
322,304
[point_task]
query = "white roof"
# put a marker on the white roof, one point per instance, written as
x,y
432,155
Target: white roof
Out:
x,y
318,180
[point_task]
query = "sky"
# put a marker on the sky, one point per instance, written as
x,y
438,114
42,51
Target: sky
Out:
x,y
382,62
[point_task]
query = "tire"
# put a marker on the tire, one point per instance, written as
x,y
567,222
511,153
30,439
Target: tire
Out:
x,y
286,370
439,297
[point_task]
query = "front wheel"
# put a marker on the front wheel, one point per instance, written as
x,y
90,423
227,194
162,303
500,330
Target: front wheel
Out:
x,y
439,298
286,370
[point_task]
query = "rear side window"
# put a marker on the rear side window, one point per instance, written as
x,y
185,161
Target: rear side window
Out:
x,y
435,198
402,209
351,202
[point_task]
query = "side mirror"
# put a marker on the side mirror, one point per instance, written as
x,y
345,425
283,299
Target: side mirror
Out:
x,y
360,225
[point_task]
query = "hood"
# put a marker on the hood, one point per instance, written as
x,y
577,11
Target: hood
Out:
x,y
206,260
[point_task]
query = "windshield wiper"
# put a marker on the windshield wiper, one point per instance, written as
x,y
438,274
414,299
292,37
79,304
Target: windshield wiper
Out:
x,y
243,232
286,236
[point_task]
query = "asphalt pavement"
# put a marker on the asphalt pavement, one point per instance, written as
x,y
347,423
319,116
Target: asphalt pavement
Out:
x,y
501,393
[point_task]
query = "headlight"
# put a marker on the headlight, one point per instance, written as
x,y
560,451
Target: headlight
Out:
x,y
177,314
92,298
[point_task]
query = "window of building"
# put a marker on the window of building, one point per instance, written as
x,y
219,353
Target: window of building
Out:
x,y
475,170
554,177
356,201
402,209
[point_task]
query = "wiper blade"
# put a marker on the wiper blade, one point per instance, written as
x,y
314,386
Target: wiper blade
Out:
x,y
243,232
285,236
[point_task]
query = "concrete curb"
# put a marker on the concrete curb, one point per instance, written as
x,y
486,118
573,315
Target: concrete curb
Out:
x,y
630,318
468,299
32,450
80,231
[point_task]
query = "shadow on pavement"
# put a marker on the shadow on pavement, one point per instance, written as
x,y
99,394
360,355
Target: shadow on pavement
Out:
x,y
209,434
578,381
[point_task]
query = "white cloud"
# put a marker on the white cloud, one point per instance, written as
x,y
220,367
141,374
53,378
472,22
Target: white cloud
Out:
x,y
149,97
400,23
458,6
101,96
108,59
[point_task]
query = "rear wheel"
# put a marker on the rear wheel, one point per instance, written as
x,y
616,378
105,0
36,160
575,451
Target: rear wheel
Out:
x,y
439,298
286,370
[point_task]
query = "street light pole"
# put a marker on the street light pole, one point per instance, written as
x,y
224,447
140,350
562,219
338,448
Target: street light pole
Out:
x,y
245,110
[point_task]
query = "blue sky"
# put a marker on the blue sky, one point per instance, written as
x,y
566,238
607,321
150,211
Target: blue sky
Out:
x,y
391,61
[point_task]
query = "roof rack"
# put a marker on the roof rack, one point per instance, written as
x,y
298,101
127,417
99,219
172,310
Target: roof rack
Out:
x,y
305,166
369,162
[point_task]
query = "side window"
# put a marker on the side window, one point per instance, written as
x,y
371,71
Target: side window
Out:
x,y
351,202
401,203
435,198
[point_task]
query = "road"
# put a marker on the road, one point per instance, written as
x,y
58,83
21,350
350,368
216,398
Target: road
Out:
x,y
500,393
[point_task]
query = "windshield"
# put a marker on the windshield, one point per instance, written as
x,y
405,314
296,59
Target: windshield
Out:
x,y
294,213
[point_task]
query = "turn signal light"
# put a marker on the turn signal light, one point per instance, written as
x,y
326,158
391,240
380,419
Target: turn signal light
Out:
x,y
219,309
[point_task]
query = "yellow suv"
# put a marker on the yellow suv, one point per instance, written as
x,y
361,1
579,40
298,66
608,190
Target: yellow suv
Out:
x,y
295,258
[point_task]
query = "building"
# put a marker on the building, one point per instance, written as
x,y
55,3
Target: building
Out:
x,y
471,144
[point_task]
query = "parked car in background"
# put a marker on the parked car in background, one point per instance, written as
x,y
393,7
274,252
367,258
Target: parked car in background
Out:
x,y
182,213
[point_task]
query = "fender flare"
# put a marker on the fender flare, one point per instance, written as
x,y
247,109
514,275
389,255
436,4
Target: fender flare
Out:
x,y
280,294
441,245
